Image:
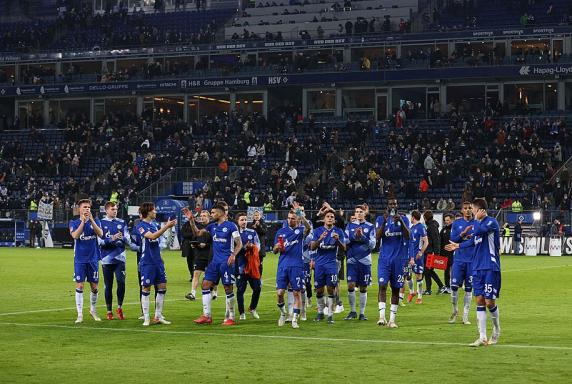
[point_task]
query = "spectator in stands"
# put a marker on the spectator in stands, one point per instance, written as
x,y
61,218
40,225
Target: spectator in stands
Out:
x,y
365,64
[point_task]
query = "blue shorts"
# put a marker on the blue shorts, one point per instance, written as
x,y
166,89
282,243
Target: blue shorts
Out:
x,y
359,273
220,271
418,267
326,274
461,275
390,272
83,271
152,274
290,275
487,283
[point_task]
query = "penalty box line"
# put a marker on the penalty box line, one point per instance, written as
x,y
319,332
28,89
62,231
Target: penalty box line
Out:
x,y
284,337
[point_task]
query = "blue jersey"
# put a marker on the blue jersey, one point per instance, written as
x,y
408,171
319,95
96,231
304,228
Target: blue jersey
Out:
x,y
487,244
359,248
223,236
462,255
293,244
114,251
86,249
328,248
393,244
150,249
418,231
246,235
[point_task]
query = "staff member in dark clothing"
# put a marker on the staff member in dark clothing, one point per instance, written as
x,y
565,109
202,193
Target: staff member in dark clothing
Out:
x,y
433,247
202,250
445,237
261,228
518,237
187,250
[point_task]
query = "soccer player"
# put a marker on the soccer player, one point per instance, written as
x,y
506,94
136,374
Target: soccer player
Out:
x,y
115,236
327,240
393,231
417,247
461,271
289,242
202,247
361,242
486,270
85,230
250,240
151,265
226,245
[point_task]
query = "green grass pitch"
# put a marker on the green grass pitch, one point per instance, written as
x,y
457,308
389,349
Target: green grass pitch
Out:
x,y
39,342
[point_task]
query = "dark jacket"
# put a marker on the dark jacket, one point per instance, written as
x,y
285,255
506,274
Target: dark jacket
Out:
x,y
517,232
261,228
445,235
433,237
187,235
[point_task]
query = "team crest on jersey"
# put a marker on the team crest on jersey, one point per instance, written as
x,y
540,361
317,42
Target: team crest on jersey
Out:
x,y
365,230
249,237
297,232
141,230
148,281
225,230
119,226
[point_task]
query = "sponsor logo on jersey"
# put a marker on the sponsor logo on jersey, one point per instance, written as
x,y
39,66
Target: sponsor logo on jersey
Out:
x,y
86,238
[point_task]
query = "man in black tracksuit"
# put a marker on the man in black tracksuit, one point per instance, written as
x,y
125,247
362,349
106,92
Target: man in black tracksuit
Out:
x,y
433,247
187,250
445,237
200,252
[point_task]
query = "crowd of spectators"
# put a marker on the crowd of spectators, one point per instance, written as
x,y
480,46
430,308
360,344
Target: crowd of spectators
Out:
x,y
358,27
77,26
272,162
468,14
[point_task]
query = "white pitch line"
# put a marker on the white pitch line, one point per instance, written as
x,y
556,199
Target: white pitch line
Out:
x,y
282,337
536,269
262,293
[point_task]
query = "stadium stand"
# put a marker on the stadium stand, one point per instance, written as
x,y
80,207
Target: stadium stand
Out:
x,y
524,120
82,29
373,161
323,19
501,14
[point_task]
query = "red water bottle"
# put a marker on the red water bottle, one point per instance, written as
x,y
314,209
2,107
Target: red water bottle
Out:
x,y
281,242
